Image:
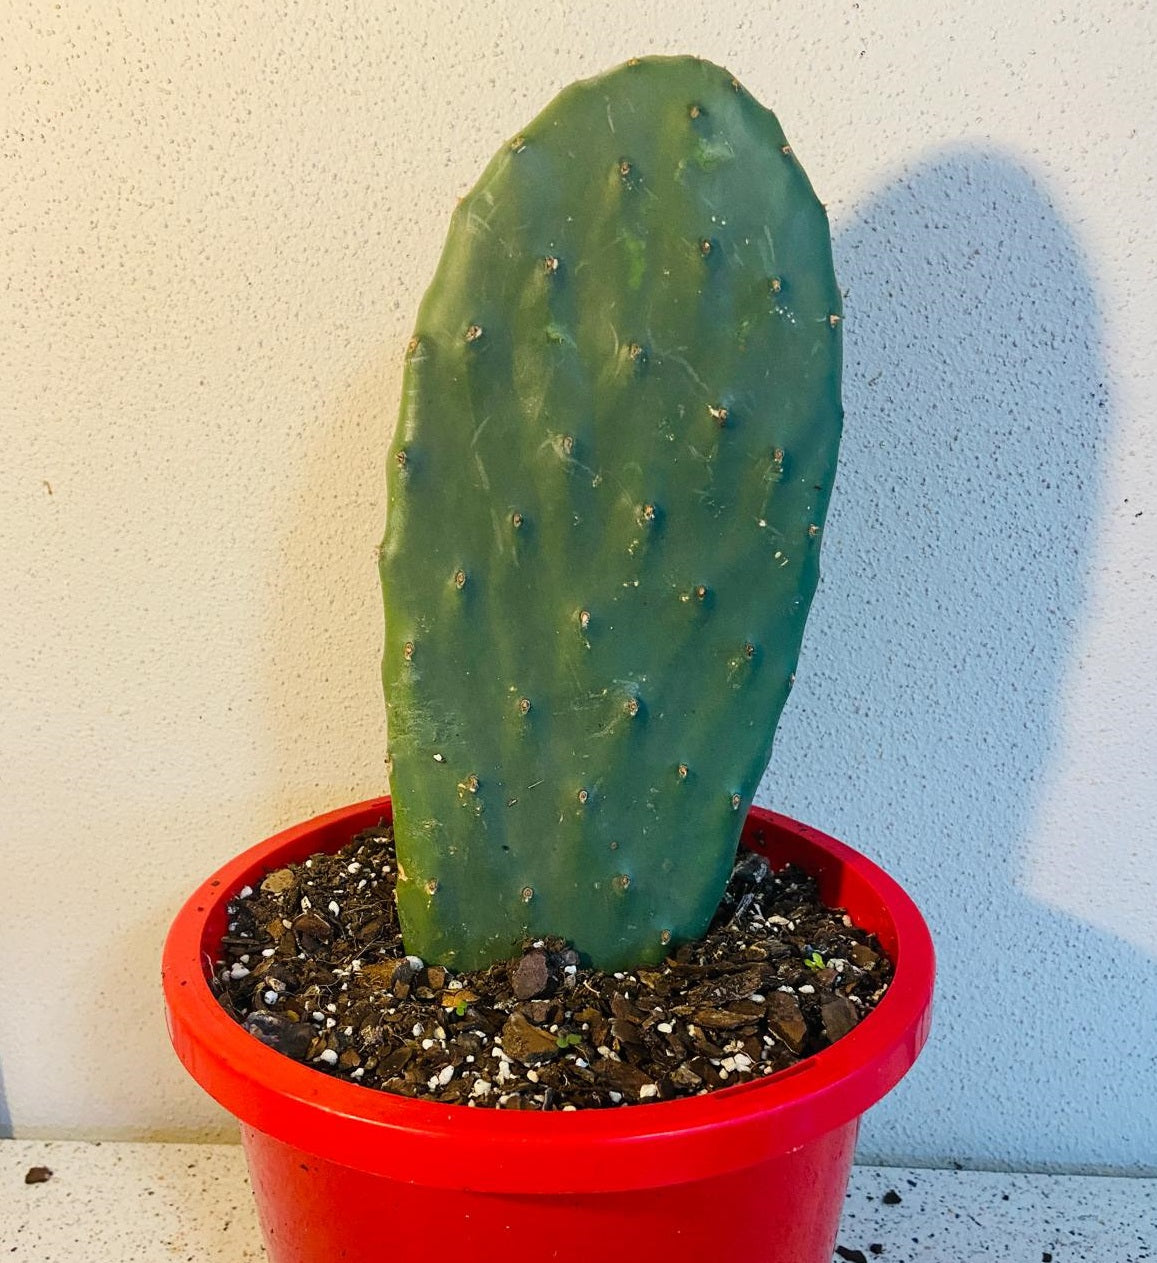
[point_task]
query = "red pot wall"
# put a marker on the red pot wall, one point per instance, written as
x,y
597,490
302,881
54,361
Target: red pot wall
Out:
x,y
756,1172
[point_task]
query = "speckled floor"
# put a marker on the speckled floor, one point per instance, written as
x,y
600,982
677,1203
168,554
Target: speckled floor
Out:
x,y
155,1203
969,1216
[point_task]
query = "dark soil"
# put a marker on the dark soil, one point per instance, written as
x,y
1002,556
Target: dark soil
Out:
x,y
313,965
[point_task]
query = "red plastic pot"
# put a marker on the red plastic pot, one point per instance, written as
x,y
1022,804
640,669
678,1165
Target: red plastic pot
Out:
x,y
756,1172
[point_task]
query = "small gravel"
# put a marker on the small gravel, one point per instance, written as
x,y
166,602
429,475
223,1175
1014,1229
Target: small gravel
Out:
x,y
313,965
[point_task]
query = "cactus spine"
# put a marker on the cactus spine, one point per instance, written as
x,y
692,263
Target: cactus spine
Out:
x,y
618,433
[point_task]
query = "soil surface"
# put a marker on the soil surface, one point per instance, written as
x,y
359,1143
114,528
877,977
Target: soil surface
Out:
x,y
313,965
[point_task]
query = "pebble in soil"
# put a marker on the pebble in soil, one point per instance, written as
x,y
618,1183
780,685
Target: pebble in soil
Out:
x,y
313,965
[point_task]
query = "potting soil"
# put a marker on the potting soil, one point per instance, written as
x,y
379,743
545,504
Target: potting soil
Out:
x,y
313,965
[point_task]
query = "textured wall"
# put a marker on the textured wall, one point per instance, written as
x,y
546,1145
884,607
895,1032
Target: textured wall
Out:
x,y
215,225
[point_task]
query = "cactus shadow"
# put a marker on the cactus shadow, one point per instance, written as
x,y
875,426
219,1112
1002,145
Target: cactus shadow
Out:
x,y
957,561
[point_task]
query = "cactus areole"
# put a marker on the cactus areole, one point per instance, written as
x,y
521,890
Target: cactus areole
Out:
x,y
618,434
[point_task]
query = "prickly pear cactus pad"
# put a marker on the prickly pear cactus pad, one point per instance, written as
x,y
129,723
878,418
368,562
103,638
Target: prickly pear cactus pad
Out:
x,y
618,433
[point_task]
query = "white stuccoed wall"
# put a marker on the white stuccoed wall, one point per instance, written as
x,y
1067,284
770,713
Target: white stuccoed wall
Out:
x,y
215,226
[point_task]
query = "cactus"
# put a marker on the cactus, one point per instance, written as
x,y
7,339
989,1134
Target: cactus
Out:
x,y
618,434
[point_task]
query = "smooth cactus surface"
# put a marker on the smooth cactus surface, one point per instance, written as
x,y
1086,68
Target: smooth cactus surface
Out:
x,y
618,433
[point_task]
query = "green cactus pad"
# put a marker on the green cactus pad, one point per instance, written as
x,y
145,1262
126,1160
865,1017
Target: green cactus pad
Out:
x,y
618,434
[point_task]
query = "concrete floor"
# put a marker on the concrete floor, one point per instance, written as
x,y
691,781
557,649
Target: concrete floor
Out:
x,y
160,1203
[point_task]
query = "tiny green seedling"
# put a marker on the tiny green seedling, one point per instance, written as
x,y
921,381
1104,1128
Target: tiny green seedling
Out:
x,y
815,961
569,1041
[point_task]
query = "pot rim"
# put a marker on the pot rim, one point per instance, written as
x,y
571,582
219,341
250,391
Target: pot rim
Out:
x,y
486,1149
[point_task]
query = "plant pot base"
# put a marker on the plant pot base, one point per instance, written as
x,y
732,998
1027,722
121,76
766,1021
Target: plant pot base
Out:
x,y
783,1210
